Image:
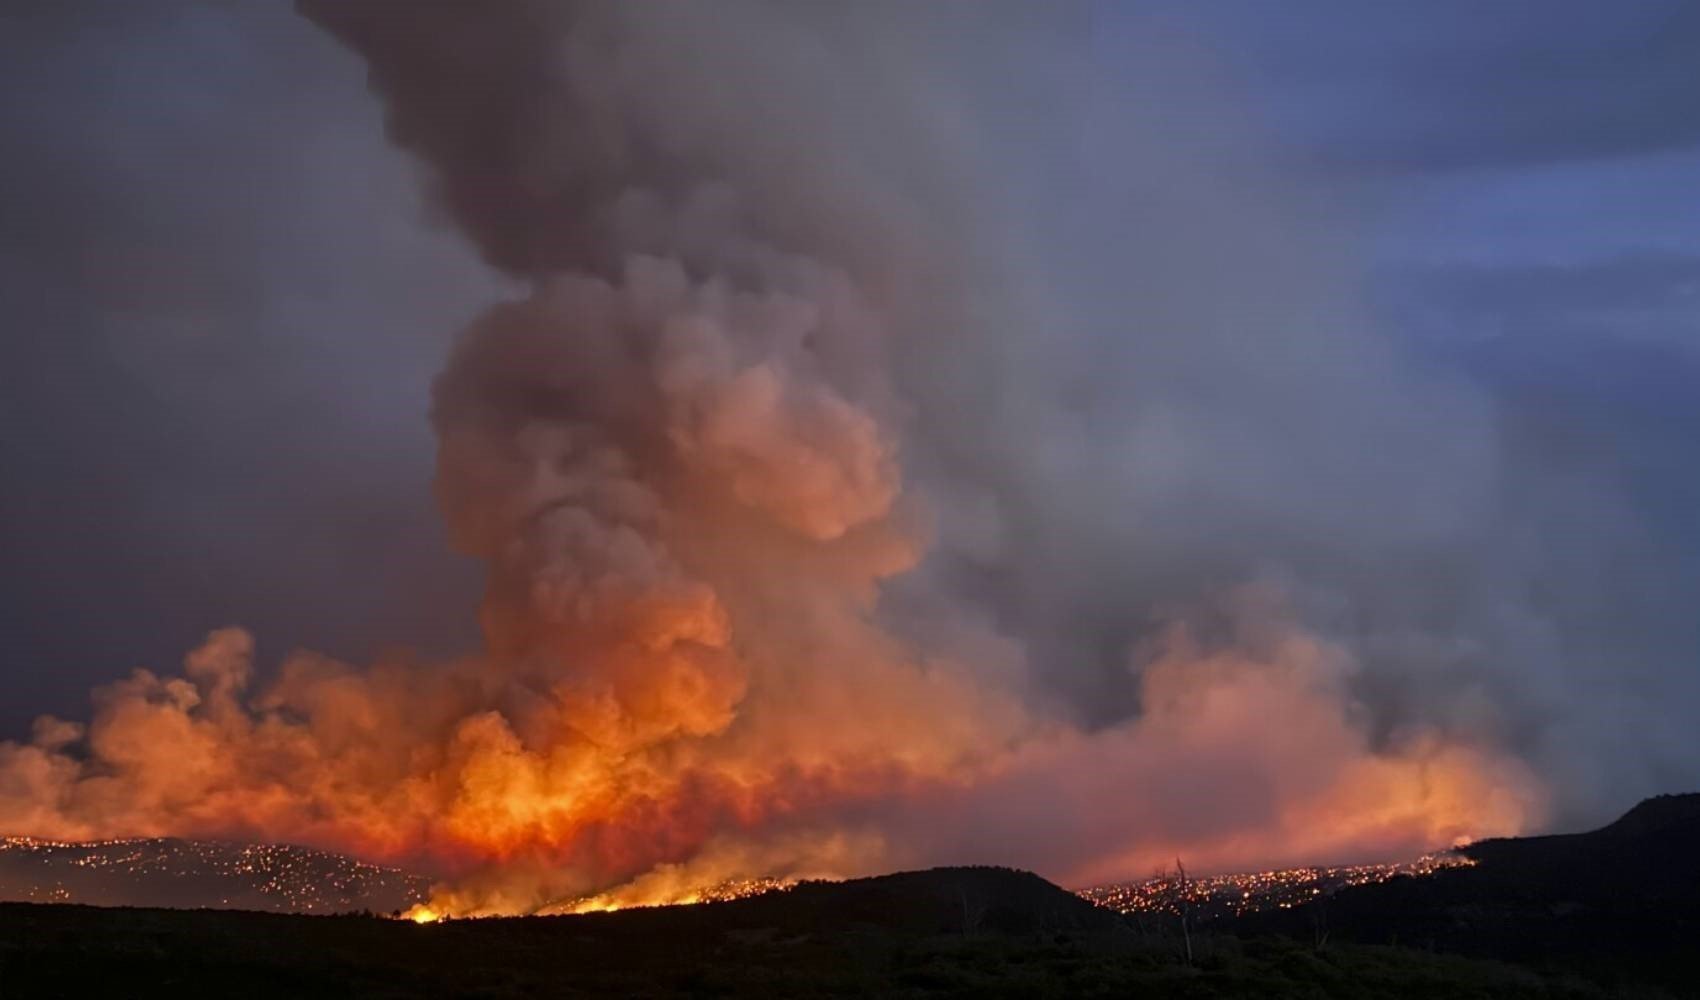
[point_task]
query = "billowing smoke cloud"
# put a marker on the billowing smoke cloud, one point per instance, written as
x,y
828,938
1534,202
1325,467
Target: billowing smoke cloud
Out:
x,y
841,511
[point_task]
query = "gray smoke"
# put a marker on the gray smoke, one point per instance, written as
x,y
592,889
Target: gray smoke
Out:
x,y
1128,374
919,434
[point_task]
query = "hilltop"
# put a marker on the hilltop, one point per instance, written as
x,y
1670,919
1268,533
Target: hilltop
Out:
x,y
1651,852
1619,904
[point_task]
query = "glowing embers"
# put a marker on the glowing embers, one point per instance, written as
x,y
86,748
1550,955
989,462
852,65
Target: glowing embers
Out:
x,y
720,892
1249,892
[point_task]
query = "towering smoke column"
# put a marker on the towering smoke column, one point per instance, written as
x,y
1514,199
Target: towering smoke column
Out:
x,y
698,456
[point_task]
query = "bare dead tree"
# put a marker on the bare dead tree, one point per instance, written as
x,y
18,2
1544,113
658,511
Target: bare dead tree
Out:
x,y
972,912
1185,906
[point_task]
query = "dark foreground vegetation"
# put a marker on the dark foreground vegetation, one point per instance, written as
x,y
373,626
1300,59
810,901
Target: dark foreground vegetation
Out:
x,y
1606,914
953,932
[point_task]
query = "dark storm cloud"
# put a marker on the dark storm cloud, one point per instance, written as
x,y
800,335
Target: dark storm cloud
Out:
x,y
1594,365
1651,295
1460,84
1583,336
220,316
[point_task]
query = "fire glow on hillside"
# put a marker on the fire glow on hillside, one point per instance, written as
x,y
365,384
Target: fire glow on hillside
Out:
x,y
684,454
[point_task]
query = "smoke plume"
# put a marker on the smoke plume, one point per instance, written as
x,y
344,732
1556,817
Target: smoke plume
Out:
x,y
841,513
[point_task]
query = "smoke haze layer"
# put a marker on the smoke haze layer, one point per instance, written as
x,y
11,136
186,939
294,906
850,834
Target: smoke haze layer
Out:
x,y
904,447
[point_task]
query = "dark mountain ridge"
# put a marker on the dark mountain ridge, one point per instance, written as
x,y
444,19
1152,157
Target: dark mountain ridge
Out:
x,y
1620,904
1651,852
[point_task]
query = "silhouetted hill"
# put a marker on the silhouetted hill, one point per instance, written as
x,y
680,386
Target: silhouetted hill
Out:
x,y
980,932
1621,903
936,901
1650,853
1657,814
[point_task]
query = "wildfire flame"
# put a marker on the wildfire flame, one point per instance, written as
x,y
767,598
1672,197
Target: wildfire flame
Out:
x,y
333,762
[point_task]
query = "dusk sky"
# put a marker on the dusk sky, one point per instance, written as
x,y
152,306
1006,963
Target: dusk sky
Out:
x,y
225,295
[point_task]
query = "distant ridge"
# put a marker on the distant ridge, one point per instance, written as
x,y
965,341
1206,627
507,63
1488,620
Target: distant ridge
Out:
x,y
193,874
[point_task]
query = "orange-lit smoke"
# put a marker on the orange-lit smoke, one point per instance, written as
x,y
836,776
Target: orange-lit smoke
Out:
x,y
681,456
1238,760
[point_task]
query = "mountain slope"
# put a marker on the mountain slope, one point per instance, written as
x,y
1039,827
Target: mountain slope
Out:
x,y
1620,904
200,873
